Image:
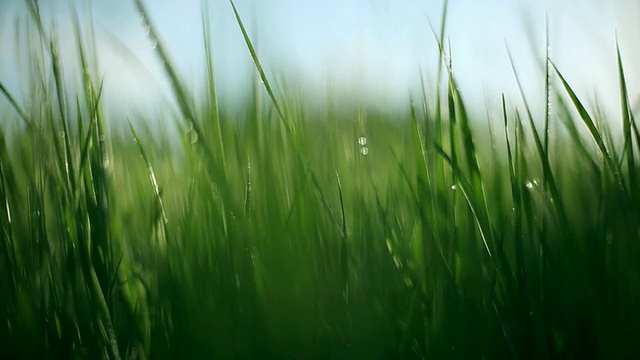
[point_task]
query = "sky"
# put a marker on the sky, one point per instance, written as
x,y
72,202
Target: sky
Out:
x,y
373,50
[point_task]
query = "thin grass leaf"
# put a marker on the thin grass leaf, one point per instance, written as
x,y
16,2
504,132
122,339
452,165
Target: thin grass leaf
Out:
x,y
422,181
593,130
213,98
23,115
344,249
151,173
467,191
176,84
84,154
544,157
626,125
256,61
68,169
547,99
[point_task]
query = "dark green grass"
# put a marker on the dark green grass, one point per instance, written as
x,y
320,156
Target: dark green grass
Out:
x,y
268,234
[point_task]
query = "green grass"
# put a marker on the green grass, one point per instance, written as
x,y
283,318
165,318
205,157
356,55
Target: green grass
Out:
x,y
267,233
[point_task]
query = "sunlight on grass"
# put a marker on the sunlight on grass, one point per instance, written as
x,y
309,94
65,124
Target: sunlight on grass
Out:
x,y
282,232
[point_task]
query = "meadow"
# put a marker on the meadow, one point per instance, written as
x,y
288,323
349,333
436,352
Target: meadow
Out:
x,y
280,231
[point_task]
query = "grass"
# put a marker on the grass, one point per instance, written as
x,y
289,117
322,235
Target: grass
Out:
x,y
268,234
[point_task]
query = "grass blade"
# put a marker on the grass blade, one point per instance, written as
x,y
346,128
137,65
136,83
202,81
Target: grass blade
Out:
x,y
593,130
544,157
23,115
256,61
626,125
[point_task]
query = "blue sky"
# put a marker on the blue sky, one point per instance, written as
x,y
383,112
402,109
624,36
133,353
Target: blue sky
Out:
x,y
373,48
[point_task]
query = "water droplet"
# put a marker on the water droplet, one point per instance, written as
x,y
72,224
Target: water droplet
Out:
x,y
532,184
362,140
397,262
364,150
453,187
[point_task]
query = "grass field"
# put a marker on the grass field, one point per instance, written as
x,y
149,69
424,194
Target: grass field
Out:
x,y
285,233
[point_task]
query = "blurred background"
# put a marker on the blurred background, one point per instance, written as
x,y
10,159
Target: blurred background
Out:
x,y
370,51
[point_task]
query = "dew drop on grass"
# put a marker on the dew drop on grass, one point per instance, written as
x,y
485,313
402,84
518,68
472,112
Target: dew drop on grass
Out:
x,y
397,262
364,150
453,187
362,140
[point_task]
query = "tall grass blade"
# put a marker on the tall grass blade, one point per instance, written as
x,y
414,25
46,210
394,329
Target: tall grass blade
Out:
x,y
23,115
593,130
626,126
467,190
152,174
544,157
256,61
211,83
344,249
176,84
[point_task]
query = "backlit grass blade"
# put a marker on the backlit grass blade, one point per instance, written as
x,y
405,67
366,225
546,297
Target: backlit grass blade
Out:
x,y
439,39
547,97
62,108
626,125
211,83
8,195
84,154
593,130
459,118
152,174
467,191
176,84
256,61
544,157
23,115
344,249
422,182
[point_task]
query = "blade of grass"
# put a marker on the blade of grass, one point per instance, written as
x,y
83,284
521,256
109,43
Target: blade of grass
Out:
x,y
23,115
213,98
259,68
467,191
176,84
344,250
626,125
151,174
593,130
544,157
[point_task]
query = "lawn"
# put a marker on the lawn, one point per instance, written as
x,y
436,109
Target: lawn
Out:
x,y
281,231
